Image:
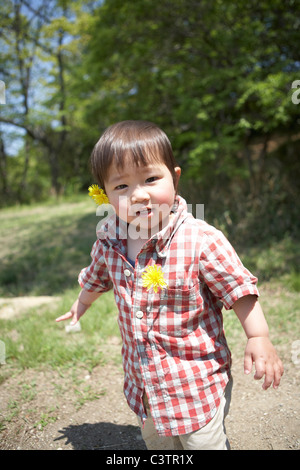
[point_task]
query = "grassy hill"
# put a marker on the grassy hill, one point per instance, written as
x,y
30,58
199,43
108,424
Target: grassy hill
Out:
x,y
42,250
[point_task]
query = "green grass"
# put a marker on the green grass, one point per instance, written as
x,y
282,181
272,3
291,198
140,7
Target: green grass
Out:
x,y
42,250
277,260
276,265
34,339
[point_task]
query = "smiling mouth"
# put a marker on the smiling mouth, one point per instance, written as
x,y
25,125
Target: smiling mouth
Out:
x,y
143,213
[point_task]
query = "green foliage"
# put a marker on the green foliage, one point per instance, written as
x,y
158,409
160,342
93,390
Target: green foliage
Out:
x,y
216,76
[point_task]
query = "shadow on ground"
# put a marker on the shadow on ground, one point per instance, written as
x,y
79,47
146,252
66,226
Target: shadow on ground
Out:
x,y
102,436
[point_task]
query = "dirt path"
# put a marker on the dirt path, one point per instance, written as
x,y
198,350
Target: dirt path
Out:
x,y
74,410
43,410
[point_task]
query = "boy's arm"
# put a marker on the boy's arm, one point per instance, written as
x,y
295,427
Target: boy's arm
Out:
x,y
259,349
80,306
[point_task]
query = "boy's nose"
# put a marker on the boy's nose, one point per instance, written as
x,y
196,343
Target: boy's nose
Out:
x,y
139,195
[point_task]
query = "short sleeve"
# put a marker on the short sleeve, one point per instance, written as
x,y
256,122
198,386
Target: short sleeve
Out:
x,y
222,270
95,277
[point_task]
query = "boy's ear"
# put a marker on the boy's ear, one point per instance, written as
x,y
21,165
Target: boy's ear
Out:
x,y
177,171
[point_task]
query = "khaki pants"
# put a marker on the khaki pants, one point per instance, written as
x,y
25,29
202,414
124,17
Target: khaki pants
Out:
x,y
210,437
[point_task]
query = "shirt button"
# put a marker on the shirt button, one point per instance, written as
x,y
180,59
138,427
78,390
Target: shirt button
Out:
x,y
127,272
139,314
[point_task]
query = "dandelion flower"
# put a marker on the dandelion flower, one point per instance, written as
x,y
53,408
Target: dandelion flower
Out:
x,y
154,277
98,195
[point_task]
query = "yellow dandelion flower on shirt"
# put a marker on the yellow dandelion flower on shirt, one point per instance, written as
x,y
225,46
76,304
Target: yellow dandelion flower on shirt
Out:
x,y
98,195
154,278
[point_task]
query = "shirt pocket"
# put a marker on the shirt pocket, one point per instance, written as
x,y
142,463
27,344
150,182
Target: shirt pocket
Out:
x,y
179,310
181,299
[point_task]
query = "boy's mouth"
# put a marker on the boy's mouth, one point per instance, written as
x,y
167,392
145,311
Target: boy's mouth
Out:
x,y
144,212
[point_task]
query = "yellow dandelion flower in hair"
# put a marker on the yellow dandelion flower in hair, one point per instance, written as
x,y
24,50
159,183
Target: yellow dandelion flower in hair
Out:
x,y
154,277
98,195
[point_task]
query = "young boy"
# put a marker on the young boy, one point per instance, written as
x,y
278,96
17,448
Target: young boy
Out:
x,y
171,275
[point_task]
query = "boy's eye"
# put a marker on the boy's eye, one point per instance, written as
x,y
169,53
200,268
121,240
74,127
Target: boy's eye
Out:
x,y
121,186
151,179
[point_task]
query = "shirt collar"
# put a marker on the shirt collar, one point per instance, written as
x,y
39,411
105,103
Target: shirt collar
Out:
x,y
164,237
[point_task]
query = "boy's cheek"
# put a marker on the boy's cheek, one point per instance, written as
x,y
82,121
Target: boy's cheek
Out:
x,y
120,205
165,196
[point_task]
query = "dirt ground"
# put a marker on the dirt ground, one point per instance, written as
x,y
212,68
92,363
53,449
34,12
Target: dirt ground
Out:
x,y
44,410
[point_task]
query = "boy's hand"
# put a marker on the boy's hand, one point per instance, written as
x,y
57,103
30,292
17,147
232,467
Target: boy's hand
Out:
x,y
80,306
259,350
77,310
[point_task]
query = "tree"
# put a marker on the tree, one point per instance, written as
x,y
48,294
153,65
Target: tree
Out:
x,y
215,75
19,40
39,43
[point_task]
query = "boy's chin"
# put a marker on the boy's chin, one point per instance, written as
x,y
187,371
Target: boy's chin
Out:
x,y
143,229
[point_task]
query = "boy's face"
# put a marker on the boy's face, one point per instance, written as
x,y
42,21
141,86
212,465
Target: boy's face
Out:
x,y
142,196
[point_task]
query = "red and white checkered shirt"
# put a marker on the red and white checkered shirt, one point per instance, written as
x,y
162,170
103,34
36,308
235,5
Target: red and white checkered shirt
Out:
x,y
174,347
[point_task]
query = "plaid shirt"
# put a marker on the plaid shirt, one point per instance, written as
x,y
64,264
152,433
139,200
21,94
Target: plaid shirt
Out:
x,y
174,347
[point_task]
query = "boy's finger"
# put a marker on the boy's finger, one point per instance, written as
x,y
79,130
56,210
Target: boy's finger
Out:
x,y
260,369
74,320
278,375
247,363
66,316
269,377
